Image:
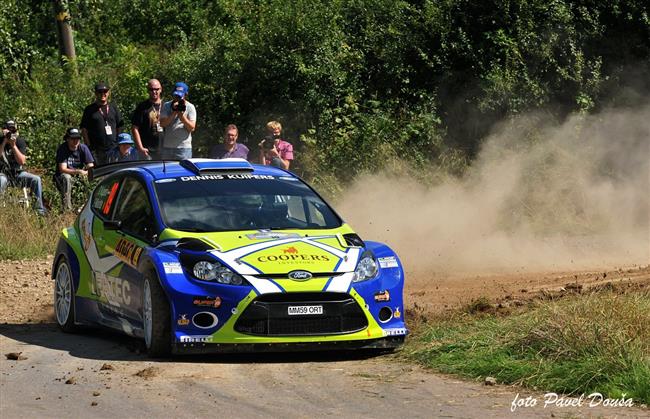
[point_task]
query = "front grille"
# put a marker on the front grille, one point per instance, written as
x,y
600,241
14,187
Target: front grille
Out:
x,y
268,315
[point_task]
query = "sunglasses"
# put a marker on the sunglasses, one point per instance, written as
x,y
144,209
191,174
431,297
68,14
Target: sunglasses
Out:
x,y
101,91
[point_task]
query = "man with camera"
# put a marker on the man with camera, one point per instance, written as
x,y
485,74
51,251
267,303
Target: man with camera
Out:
x,y
13,157
274,151
229,148
178,118
100,123
73,160
146,128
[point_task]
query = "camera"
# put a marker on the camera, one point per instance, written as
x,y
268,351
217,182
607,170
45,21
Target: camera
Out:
x,y
268,142
179,106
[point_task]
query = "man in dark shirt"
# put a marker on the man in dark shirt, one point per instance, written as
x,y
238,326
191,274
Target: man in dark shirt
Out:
x,y
73,160
146,129
13,155
100,123
229,148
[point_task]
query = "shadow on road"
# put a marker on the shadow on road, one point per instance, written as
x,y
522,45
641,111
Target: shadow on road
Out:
x,y
104,344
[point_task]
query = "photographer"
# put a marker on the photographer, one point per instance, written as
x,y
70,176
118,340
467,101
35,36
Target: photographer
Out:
x,y
13,157
274,151
73,160
178,118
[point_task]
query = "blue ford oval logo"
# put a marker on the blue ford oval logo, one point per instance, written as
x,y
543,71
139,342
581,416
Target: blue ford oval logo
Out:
x,y
300,275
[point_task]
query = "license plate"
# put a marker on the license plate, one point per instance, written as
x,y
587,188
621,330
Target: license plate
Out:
x,y
305,310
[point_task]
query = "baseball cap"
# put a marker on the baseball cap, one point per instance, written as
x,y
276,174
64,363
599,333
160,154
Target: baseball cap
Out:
x,y
73,133
10,124
101,86
180,89
124,138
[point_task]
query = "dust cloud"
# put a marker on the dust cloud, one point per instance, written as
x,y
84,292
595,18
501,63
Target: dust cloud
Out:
x,y
539,197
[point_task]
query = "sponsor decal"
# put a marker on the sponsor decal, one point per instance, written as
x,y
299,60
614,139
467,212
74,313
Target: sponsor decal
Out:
x,y
388,262
207,301
128,252
397,313
264,235
382,296
395,331
300,275
172,267
183,320
196,338
225,177
86,236
116,291
292,254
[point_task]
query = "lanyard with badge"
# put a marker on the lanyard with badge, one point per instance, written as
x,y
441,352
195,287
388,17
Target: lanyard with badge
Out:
x,y
107,127
158,127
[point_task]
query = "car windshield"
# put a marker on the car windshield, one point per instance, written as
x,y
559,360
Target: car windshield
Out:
x,y
224,202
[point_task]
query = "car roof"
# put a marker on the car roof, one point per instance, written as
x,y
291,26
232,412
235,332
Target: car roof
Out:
x,y
191,167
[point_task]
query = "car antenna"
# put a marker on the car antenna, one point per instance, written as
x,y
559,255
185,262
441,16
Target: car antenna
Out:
x,y
164,167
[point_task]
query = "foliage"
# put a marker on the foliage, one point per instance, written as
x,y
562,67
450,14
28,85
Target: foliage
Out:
x,y
354,82
595,343
25,235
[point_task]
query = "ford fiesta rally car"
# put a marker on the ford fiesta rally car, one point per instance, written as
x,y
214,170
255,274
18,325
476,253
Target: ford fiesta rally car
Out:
x,y
206,255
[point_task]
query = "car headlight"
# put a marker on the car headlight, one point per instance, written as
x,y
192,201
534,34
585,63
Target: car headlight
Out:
x,y
366,268
214,271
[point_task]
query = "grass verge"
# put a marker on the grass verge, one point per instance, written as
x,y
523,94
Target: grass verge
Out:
x,y
25,235
599,342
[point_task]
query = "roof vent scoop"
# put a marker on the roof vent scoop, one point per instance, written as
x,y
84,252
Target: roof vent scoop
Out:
x,y
199,166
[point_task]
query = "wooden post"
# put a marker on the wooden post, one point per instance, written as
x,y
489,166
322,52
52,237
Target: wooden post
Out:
x,y
64,31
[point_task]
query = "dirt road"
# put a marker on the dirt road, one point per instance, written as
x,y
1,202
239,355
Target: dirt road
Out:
x,y
104,375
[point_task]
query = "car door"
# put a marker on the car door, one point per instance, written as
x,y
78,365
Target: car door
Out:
x,y
129,228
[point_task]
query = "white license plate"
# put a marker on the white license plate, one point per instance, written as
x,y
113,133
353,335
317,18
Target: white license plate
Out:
x,y
300,310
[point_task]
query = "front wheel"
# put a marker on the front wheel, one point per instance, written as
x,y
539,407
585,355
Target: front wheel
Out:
x,y
64,297
156,318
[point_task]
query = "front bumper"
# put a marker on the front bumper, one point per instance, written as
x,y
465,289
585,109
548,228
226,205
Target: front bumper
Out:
x,y
390,342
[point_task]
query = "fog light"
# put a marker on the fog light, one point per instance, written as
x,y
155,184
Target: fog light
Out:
x,y
385,314
205,320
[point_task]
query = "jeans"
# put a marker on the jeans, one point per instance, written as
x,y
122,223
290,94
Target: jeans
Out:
x,y
28,180
64,184
176,153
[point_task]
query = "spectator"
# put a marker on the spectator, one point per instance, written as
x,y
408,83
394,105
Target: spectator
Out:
x,y
73,160
229,147
178,118
123,151
13,157
100,123
146,129
274,151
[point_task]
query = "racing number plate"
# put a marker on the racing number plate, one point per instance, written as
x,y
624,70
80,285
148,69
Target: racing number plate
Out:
x,y
302,310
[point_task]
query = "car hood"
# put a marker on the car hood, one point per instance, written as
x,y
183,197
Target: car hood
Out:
x,y
281,252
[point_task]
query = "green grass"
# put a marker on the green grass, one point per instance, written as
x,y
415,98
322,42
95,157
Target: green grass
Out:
x,y
596,342
24,235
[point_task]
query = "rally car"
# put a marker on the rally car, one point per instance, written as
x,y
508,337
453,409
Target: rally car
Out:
x,y
200,256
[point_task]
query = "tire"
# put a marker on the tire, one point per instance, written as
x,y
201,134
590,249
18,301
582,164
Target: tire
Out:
x,y
64,297
155,318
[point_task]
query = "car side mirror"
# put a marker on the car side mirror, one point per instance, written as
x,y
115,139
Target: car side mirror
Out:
x,y
112,224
